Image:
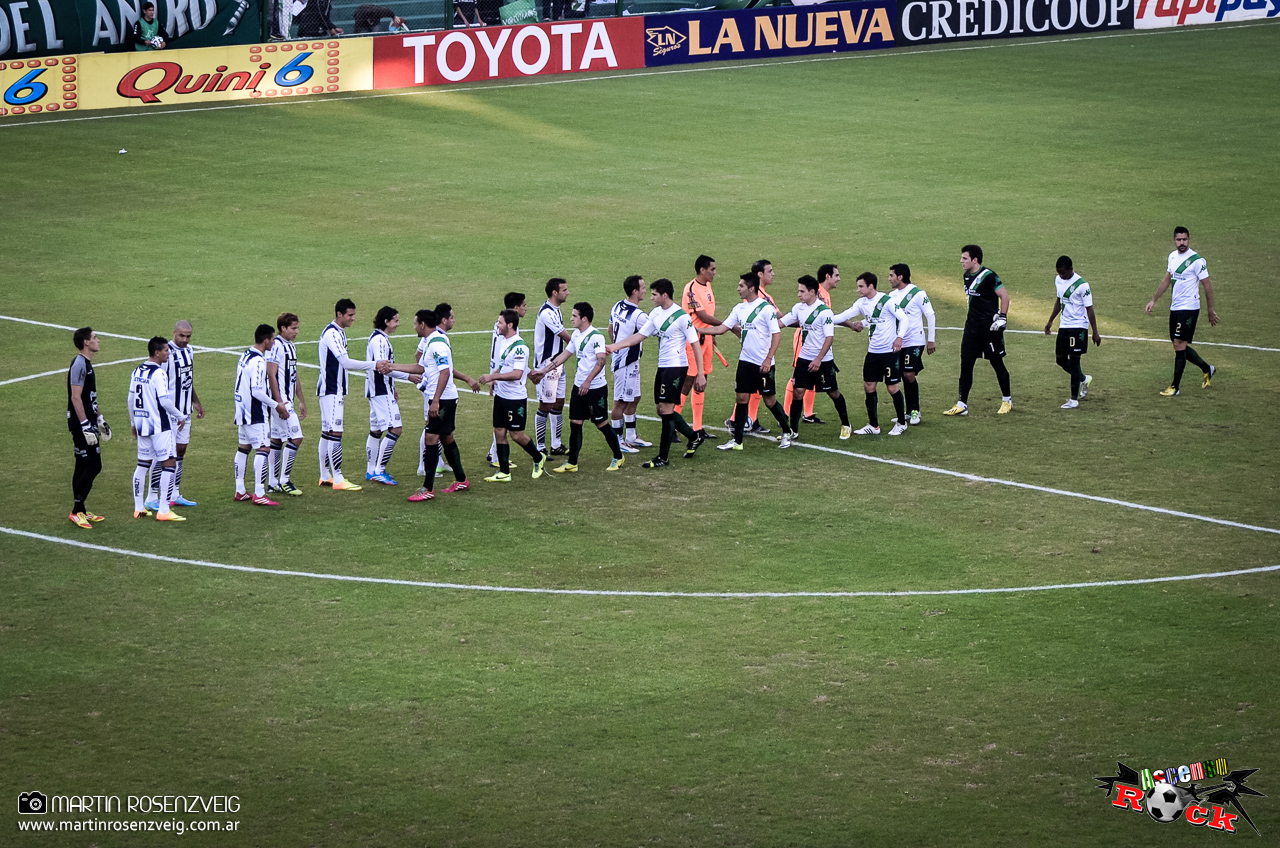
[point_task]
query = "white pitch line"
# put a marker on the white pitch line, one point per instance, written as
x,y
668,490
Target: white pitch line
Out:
x,y
468,587
196,348
571,79
64,371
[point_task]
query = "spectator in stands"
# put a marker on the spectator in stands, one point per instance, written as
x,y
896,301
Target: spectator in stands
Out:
x,y
465,14
369,17
314,21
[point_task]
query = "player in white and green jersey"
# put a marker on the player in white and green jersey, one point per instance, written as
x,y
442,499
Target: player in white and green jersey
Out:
x,y
815,361
914,301
755,320
511,398
1075,302
887,323
1188,272
674,330
589,398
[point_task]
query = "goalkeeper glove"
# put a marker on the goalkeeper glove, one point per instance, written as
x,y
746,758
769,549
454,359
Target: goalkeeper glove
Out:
x,y
1001,321
90,434
104,427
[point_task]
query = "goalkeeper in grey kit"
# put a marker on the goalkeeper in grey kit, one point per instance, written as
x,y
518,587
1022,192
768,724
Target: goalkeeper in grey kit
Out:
x,y
983,328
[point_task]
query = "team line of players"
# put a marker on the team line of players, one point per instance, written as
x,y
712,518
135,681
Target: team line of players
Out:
x,y
901,326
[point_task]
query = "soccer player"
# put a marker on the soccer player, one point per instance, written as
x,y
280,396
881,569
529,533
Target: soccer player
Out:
x,y
435,375
153,418
699,302
331,391
815,362
914,301
590,389
625,319
676,336
983,328
1188,272
755,321
764,269
385,425
180,371
1075,302
254,406
549,338
828,280
285,433
888,325
518,302
511,398
88,427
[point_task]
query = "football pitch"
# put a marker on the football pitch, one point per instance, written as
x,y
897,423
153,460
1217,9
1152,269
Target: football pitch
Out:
x,y
937,639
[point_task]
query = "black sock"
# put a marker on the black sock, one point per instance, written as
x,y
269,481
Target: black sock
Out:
x,y
739,421
504,457
966,378
453,456
797,410
873,417
532,449
899,406
1002,374
842,409
912,388
611,439
776,409
1194,359
1179,364
664,443
430,457
682,427
575,442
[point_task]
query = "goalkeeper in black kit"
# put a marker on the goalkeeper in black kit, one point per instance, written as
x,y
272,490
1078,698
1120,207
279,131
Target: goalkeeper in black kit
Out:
x,y
983,329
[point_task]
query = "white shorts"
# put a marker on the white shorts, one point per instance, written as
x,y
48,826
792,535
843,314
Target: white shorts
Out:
x,y
626,383
282,429
331,412
384,413
253,435
182,435
551,387
157,447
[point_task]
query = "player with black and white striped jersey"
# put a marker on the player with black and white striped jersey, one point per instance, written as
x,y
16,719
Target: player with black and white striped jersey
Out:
x,y
914,301
549,338
887,325
625,319
518,303
254,408
331,391
153,419
815,360
286,433
385,425
180,371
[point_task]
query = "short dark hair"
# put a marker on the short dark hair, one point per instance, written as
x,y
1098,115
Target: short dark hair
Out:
x,y
81,337
584,309
808,282
662,286
146,5
264,332
973,250
869,278
343,305
903,270
825,271
442,311
703,261
759,265
631,284
1184,230
752,279
553,285
384,316
513,299
285,319
155,344
511,317
1065,263
426,316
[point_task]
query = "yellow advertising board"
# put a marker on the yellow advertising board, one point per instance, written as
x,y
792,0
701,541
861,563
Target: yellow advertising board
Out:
x,y
169,77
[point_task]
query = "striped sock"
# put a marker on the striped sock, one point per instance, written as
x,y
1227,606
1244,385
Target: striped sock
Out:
x,y
290,455
388,445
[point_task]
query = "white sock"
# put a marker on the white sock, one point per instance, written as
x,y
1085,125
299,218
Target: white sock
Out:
x,y
323,449
166,488
259,474
273,466
290,455
242,460
422,449
141,482
372,452
557,429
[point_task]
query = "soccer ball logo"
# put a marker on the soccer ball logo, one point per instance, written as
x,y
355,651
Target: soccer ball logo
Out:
x,y
1165,802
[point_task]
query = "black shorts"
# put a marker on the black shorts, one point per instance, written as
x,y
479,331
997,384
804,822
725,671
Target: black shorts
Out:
x,y
442,424
750,380
1073,341
824,379
509,414
913,359
667,383
1182,324
593,406
881,368
982,344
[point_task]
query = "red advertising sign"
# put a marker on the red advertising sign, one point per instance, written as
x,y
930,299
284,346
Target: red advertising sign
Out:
x,y
469,55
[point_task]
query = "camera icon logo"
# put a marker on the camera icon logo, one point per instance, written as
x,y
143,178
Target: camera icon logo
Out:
x,y
33,804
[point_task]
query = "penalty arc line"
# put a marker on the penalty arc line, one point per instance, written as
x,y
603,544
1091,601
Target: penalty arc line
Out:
x,y
629,593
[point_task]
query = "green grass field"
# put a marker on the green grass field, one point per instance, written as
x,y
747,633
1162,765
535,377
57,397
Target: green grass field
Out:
x,y
363,713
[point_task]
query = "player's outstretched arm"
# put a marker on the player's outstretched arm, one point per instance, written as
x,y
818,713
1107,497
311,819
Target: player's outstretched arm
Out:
x,y
630,341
